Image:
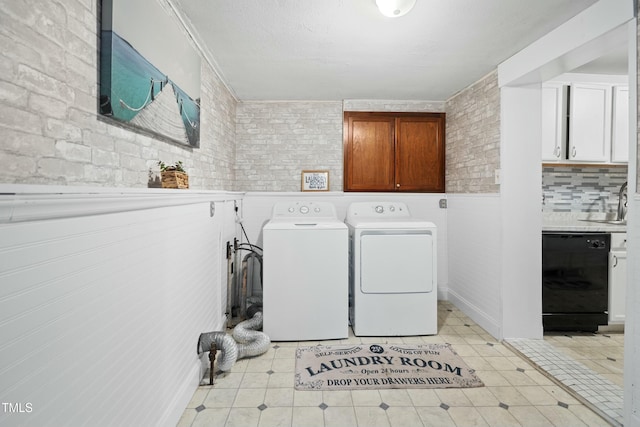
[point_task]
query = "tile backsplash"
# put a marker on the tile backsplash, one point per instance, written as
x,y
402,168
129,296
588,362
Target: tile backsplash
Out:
x,y
581,189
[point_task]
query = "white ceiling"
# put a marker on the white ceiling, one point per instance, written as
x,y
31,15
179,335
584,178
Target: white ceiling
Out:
x,y
345,49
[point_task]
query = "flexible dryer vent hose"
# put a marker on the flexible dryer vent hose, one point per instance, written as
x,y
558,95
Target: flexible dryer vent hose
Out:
x,y
250,342
226,344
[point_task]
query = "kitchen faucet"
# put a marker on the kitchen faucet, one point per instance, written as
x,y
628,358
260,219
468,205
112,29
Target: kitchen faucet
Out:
x,y
622,206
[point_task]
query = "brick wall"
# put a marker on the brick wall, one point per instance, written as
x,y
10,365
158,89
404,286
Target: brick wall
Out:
x,y
394,106
473,138
49,125
275,141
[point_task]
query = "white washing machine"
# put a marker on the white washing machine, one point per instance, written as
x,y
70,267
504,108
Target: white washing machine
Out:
x,y
306,273
392,271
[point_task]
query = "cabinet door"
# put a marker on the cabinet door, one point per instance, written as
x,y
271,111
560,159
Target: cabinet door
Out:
x,y
617,285
369,152
420,154
620,131
590,119
554,115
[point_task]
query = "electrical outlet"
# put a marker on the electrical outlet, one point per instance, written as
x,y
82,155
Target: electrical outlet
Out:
x,y
443,203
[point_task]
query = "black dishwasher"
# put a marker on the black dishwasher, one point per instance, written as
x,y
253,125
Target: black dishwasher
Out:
x,y
575,281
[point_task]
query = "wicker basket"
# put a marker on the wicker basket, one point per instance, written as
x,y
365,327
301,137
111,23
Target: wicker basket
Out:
x,y
174,179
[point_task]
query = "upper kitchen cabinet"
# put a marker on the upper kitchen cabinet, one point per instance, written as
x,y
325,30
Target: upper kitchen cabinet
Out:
x,y
620,125
394,152
589,123
554,107
585,122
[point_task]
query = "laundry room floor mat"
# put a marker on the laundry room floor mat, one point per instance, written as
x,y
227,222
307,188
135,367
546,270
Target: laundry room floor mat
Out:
x,y
376,366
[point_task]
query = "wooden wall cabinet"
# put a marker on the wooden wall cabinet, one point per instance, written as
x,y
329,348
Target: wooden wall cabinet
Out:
x,y
394,152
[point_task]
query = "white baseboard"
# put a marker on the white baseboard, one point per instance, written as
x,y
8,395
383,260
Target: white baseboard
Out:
x,y
443,293
490,325
183,396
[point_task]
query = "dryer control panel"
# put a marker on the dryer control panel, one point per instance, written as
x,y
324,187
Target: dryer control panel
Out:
x,y
387,210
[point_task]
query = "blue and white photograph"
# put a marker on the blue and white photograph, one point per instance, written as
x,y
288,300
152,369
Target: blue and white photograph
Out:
x,y
149,70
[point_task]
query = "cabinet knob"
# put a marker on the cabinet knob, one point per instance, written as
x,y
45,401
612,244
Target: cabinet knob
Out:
x,y
397,185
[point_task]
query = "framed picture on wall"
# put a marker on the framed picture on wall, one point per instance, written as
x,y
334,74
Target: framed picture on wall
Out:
x,y
315,180
149,71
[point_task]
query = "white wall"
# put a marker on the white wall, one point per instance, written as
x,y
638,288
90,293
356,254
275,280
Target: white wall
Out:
x,y
521,192
474,249
632,323
585,37
102,299
257,207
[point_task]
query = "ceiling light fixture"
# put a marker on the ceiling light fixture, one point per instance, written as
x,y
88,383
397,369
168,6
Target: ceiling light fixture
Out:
x,y
395,8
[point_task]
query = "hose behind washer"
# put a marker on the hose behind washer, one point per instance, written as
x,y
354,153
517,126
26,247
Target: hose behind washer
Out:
x,y
250,342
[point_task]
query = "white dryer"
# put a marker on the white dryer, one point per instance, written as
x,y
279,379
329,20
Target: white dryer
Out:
x,y
392,271
306,264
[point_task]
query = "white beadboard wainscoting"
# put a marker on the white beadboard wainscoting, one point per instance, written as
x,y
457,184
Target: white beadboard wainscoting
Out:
x,y
257,207
631,327
474,253
103,295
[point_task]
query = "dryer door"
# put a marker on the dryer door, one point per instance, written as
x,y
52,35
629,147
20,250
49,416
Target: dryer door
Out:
x,y
392,263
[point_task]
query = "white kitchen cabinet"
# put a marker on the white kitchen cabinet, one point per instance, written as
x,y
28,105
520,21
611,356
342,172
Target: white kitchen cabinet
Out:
x,y
620,125
585,119
554,114
617,278
589,123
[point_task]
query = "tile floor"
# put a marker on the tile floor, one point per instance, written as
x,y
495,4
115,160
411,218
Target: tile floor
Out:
x,y
589,365
603,353
259,391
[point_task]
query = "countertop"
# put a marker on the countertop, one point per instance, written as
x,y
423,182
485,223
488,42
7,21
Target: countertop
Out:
x,y
570,221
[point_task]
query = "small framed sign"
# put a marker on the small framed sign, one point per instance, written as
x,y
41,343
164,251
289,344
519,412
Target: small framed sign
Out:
x,y
315,180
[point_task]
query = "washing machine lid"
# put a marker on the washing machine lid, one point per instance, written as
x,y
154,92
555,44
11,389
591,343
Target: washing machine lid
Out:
x,y
299,215
304,224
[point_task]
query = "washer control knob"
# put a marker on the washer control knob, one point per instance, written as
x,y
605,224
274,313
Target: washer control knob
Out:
x,y
304,209
317,210
379,209
392,208
291,210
